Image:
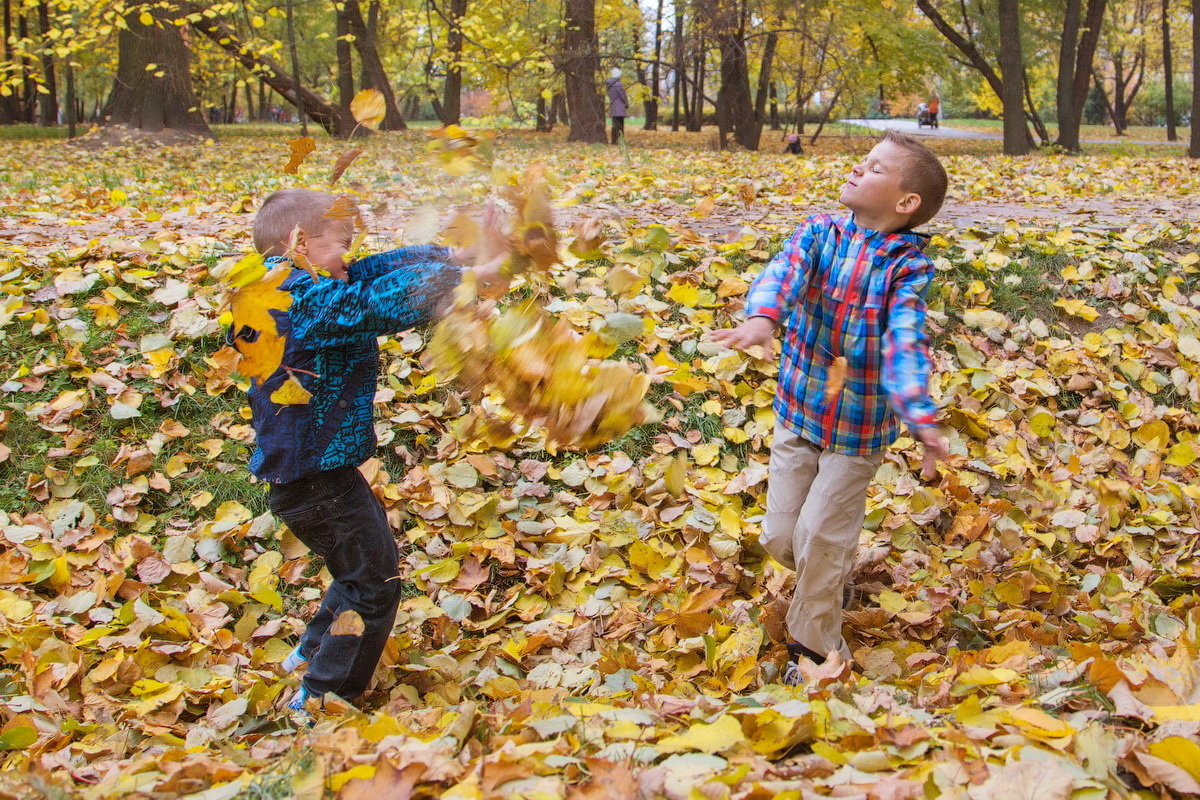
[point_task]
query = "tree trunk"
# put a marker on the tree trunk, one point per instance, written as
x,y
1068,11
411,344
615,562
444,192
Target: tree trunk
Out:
x,y
652,97
696,117
542,116
1068,129
10,104
735,109
1168,72
452,102
335,120
774,106
1088,42
558,110
581,62
765,85
1016,142
679,66
372,66
29,99
48,102
1194,137
158,98
345,60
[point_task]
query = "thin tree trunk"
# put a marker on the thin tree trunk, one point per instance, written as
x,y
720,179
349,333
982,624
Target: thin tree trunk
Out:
x,y
652,98
696,119
29,97
1068,131
372,66
72,112
541,116
1089,40
774,103
291,34
765,85
159,98
345,60
335,120
452,102
251,116
1194,134
48,102
1016,142
679,66
581,64
10,104
1168,72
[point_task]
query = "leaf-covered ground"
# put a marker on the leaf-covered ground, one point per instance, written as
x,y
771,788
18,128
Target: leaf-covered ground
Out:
x,y
1025,626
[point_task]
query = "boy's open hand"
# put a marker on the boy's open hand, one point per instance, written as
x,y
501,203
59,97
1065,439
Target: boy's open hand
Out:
x,y
936,449
756,330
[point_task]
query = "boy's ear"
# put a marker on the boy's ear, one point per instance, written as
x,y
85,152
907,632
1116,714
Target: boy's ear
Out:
x,y
297,241
908,204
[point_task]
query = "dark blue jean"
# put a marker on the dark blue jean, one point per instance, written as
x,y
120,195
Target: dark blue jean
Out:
x,y
337,516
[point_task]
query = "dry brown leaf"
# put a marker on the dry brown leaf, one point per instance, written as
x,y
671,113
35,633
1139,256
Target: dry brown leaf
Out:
x,y
300,148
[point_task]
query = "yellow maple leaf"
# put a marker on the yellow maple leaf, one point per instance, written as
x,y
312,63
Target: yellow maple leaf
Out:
x,y
291,393
368,108
836,378
300,148
251,307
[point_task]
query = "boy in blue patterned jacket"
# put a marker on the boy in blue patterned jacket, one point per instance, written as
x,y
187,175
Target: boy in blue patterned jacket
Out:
x,y
849,294
310,453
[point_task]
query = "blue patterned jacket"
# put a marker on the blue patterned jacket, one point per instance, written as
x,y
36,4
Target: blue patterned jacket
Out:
x,y
331,330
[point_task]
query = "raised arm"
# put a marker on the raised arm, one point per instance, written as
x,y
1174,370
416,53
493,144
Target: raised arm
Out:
x,y
331,312
371,267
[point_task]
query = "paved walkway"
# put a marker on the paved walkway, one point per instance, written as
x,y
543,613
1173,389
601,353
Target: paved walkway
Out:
x,y
910,126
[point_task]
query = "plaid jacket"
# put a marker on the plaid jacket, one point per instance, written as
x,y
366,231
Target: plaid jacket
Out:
x,y
331,329
841,290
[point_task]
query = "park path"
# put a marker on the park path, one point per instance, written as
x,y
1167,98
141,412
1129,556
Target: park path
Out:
x,y
910,126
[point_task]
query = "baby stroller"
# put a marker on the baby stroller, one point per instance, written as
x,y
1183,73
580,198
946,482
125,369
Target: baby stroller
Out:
x,y
926,117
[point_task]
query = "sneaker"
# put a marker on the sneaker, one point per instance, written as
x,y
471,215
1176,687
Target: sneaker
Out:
x,y
299,699
294,660
792,676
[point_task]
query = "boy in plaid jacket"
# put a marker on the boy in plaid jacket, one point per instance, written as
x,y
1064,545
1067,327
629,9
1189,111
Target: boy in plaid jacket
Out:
x,y
849,288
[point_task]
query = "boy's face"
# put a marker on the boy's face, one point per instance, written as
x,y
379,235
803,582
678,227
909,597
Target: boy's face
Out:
x,y
327,249
872,190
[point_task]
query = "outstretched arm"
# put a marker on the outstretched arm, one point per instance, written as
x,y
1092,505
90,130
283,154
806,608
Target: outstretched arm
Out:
x,y
906,364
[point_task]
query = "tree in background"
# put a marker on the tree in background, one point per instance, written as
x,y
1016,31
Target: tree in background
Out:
x,y
152,90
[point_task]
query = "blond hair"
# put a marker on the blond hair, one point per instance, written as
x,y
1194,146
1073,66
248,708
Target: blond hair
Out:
x,y
923,174
283,211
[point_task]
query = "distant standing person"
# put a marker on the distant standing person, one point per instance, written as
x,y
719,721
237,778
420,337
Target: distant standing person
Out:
x,y
618,104
935,107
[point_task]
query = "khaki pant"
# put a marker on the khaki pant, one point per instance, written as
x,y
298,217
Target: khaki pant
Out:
x,y
816,502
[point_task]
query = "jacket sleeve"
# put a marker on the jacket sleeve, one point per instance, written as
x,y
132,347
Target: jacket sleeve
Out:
x,y
779,286
906,364
371,267
332,312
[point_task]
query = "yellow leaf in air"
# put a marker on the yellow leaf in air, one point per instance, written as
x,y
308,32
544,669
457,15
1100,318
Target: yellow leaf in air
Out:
x,y
368,108
146,19
291,393
704,207
717,737
836,378
300,148
251,307
248,269
348,623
